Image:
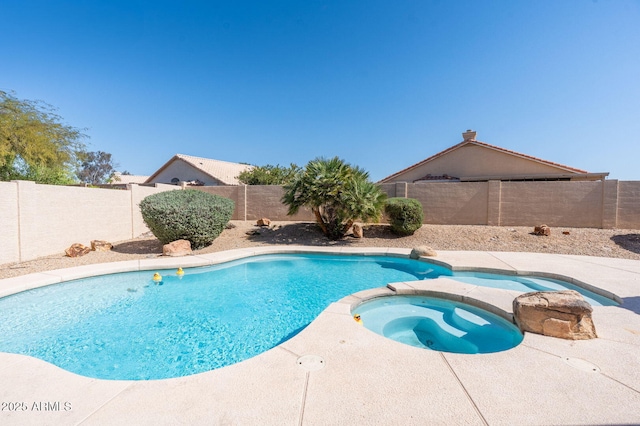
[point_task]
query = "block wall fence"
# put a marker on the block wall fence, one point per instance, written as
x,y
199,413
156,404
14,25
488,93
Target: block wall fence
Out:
x,y
596,204
41,220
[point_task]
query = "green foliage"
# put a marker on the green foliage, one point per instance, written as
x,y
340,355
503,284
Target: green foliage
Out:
x,y
37,173
186,215
33,139
96,168
405,215
269,175
337,193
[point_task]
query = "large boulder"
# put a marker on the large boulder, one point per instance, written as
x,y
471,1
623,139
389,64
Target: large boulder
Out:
x,y
263,222
564,314
100,245
418,252
542,230
77,250
177,248
357,230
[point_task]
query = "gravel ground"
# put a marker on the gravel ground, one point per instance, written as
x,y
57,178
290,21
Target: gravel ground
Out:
x,y
619,243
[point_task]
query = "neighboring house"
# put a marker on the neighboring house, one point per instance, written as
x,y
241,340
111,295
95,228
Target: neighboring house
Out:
x,y
120,179
198,171
472,160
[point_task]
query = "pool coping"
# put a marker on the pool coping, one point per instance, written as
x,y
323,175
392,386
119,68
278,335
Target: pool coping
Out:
x,y
249,393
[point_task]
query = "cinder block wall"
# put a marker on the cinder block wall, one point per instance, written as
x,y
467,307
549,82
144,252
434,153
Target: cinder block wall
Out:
x,y
256,201
463,203
40,220
595,204
628,206
9,234
576,204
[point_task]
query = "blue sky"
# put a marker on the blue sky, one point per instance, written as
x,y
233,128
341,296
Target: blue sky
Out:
x,y
381,84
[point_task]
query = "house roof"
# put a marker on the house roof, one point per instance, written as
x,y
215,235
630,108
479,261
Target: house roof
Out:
x,y
485,145
223,171
119,178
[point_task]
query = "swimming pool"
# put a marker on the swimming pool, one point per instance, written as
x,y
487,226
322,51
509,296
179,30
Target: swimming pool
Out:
x,y
126,326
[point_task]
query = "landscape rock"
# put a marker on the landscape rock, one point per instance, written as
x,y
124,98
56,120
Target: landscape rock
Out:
x,y
417,252
77,250
177,248
357,231
564,314
542,230
100,245
263,222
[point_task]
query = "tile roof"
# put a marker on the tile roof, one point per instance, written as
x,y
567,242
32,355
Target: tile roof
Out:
x,y
486,145
223,171
119,178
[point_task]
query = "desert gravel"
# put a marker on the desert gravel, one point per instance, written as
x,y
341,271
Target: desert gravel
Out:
x,y
618,243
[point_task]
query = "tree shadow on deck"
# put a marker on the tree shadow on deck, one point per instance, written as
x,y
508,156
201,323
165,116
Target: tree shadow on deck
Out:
x,y
629,242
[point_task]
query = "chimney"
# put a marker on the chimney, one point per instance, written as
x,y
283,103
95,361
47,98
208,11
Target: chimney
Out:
x,y
469,135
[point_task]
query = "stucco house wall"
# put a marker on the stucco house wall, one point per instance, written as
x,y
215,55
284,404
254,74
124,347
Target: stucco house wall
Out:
x,y
183,171
476,161
472,160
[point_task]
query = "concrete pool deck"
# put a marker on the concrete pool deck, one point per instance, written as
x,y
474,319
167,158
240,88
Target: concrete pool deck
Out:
x,y
354,376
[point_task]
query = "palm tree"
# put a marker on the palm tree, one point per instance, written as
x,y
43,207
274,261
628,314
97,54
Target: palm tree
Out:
x,y
337,193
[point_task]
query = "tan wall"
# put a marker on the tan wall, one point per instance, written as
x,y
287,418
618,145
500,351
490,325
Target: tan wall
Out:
x,y
257,201
628,210
40,220
589,204
463,203
575,204
9,235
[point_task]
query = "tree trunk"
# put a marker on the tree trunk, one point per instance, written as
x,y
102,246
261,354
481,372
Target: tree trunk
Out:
x,y
321,223
347,226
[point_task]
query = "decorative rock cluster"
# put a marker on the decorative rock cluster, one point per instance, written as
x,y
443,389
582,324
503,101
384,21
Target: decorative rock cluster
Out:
x,y
100,245
263,222
418,252
77,249
542,230
564,314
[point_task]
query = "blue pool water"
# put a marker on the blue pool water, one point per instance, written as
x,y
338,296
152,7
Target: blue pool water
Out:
x,y
125,326
438,324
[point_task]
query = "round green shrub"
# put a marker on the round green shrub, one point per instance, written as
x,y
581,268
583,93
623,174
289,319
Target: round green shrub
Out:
x,y
405,215
188,214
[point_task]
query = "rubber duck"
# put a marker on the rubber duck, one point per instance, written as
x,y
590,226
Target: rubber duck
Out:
x,y
357,318
180,272
157,278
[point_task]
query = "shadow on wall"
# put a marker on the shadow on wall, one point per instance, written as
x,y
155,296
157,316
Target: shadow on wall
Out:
x,y
629,242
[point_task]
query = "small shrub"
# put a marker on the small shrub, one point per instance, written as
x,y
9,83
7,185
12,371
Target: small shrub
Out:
x,y
405,215
189,214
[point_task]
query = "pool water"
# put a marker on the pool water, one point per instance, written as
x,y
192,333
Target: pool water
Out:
x,y
438,324
126,326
